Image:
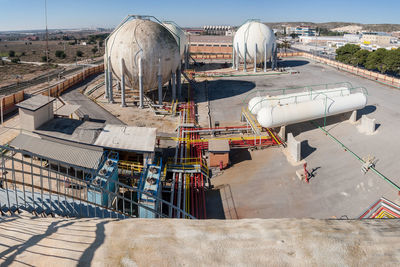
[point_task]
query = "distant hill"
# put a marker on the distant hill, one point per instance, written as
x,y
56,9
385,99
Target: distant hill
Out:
x,y
332,25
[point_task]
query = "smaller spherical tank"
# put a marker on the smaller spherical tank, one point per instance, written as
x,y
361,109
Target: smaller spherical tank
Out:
x,y
179,35
250,34
148,40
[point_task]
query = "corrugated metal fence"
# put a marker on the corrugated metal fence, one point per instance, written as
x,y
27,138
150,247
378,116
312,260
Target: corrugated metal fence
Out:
x,y
10,101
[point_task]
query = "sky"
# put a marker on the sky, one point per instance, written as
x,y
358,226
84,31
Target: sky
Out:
x,y
67,14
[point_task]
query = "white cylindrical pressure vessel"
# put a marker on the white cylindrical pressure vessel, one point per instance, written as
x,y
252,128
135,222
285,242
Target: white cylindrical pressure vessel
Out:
x,y
146,39
179,35
275,116
250,34
257,103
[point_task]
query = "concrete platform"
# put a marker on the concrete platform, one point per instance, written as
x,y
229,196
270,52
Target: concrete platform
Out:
x,y
266,186
33,241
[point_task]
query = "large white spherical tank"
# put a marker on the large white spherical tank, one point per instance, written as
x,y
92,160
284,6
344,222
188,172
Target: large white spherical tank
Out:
x,y
179,35
252,33
148,40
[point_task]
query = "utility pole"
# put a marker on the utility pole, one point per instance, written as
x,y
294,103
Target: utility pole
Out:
x,y
47,38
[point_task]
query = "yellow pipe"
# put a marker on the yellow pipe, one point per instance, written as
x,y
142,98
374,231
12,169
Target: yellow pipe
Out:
x,y
273,136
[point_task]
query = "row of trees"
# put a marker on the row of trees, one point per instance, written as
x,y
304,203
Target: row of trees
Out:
x,y
382,60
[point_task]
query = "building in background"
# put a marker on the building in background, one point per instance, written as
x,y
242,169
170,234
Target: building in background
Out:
x,y
348,29
301,31
376,38
218,30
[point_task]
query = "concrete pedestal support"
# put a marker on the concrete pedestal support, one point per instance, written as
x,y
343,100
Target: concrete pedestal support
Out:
x,y
294,148
237,57
141,90
368,125
353,117
282,133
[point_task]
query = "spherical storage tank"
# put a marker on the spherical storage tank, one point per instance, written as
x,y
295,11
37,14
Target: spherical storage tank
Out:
x,y
250,34
179,35
148,40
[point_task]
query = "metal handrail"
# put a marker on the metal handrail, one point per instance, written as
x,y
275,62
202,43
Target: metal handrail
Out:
x,y
88,184
283,90
309,93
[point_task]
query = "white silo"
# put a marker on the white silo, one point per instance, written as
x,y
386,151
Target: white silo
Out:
x,y
254,42
142,54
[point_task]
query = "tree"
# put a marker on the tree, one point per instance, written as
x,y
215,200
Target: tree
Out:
x,y
44,58
285,45
11,53
79,53
293,35
15,60
94,50
360,57
60,54
392,61
346,53
375,60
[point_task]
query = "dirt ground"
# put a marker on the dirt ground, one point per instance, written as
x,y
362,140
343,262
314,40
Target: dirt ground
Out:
x,y
133,116
12,72
34,50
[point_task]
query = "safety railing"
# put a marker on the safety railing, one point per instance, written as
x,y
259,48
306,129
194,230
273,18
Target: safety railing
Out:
x,y
133,167
283,91
47,186
308,96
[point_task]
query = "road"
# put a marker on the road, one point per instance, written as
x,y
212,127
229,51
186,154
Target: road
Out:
x,y
88,107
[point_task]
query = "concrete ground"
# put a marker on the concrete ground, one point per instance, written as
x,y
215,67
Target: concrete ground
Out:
x,y
266,186
75,97
33,241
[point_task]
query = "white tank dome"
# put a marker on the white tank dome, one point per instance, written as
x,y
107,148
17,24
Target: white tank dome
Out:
x,y
252,33
178,32
146,39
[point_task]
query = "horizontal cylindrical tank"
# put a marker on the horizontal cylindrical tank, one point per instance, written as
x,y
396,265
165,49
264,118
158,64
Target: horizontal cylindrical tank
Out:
x,y
258,102
146,39
298,112
250,34
179,35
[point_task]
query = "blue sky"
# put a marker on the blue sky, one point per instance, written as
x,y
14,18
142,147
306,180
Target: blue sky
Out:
x,y
29,14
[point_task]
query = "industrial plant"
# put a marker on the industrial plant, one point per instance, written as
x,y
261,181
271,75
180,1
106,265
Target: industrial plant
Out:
x,y
174,124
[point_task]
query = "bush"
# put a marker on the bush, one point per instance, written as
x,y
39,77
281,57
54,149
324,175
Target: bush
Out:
x,y
79,53
94,50
11,53
44,58
60,54
15,60
23,54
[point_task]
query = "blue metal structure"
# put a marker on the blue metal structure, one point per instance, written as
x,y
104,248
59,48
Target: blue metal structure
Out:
x,y
106,179
150,183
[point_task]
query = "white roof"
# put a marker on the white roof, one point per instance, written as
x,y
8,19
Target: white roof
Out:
x,y
128,138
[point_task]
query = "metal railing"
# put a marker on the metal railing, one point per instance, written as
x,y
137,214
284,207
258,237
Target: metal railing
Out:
x,y
46,186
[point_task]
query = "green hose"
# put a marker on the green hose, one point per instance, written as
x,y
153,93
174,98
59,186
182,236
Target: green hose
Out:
x,y
360,159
